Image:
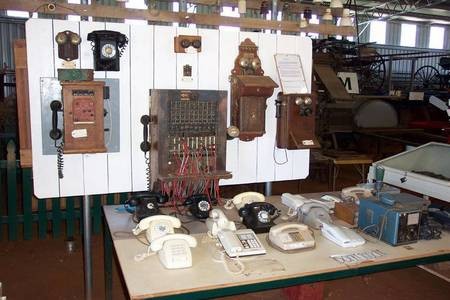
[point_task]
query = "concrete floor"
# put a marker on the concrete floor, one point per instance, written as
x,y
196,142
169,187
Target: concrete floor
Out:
x,y
44,269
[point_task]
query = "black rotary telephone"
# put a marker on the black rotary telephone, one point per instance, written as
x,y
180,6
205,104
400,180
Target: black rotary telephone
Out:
x,y
108,47
259,216
199,205
145,204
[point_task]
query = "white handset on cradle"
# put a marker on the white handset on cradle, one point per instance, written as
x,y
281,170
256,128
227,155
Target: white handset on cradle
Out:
x,y
342,236
248,197
218,221
354,193
291,236
157,226
174,250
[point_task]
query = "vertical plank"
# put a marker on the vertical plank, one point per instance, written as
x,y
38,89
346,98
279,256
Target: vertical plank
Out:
x,y
110,199
123,197
248,151
70,217
119,164
266,143
56,217
228,50
208,70
80,214
97,214
95,165
40,64
183,59
11,181
2,199
300,158
164,58
141,66
73,181
42,218
27,181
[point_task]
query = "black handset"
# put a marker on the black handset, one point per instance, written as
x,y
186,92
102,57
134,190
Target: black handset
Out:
x,y
55,132
258,216
145,145
108,47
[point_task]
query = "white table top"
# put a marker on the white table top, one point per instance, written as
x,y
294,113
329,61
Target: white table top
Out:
x,y
148,278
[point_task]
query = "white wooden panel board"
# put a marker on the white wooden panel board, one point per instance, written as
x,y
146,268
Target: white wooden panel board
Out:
x,y
40,64
165,68
300,158
266,165
119,164
248,151
95,164
283,165
141,51
183,59
73,181
228,50
208,60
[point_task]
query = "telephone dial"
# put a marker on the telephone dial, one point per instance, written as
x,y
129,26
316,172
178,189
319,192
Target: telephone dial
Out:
x,y
108,47
157,226
145,204
68,42
258,216
199,205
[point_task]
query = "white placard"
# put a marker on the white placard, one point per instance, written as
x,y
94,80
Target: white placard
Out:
x,y
290,72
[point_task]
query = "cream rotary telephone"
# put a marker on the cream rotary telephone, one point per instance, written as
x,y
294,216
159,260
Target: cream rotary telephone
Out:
x,y
157,226
174,250
291,236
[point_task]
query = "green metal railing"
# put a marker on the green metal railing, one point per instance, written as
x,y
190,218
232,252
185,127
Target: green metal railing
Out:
x,y
23,216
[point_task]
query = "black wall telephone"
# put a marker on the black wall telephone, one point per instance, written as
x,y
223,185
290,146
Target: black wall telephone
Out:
x,y
146,204
259,216
108,47
199,205
56,134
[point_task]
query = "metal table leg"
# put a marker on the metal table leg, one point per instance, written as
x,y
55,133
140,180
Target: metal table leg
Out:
x,y
87,248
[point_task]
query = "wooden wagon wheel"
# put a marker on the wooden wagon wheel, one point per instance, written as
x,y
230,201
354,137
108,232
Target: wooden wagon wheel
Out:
x,y
372,75
427,77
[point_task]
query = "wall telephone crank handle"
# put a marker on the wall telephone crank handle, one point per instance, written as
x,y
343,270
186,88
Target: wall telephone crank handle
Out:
x,y
145,145
55,132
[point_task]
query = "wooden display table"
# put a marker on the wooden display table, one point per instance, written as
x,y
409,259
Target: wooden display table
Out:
x,y
207,278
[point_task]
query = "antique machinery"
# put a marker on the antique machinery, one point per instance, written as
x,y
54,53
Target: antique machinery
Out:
x,y
249,92
188,140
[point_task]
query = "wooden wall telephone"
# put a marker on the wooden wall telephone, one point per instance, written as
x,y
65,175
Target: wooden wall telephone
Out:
x,y
68,42
82,108
296,121
174,250
249,92
108,47
157,226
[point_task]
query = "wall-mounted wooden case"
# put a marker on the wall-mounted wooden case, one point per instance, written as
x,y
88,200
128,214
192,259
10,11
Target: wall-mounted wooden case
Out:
x,y
249,92
182,42
83,116
296,121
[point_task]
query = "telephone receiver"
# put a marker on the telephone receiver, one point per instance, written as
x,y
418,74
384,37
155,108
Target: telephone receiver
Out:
x,y
247,197
145,145
55,132
121,39
258,216
146,204
341,236
157,226
173,250
314,214
217,221
354,193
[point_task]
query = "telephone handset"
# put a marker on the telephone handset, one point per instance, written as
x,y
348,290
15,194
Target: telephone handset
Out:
x,y
145,145
217,221
157,226
314,214
258,216
55,133
108,47
342,236
354,193
173,250
247,197
291,236
145,204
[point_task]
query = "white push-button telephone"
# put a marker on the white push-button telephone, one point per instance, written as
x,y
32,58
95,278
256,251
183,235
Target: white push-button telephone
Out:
x,y
243,242
174,250
157,226
291,236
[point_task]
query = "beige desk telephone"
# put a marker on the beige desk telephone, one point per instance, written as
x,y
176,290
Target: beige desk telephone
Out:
x,y
157,226
291,236
174,250
353,193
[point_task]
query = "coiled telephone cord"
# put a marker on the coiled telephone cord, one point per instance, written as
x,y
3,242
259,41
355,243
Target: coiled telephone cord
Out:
x,y
60,159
